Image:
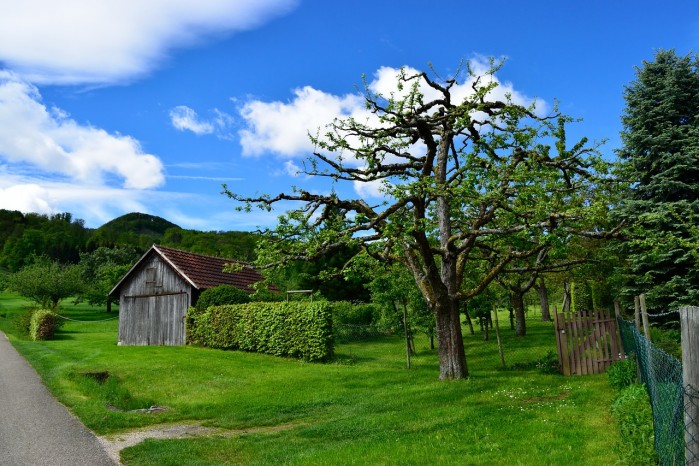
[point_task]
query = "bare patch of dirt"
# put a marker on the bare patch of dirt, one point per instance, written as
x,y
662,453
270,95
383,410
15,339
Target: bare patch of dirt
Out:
x,y
115,443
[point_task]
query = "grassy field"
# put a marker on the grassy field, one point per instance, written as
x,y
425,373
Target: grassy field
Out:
x,y
364,408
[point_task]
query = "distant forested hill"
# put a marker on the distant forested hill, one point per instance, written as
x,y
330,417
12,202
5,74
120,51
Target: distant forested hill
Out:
x,y
62,238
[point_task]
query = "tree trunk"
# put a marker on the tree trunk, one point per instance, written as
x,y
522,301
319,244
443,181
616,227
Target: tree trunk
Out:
x,y
453,362
469,320
408,339
566,305
511,317
544,301
518,304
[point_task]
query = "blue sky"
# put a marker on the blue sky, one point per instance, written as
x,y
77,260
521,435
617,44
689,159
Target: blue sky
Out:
x,y
117,106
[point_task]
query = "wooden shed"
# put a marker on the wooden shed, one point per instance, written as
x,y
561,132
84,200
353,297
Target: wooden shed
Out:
x,y
155,294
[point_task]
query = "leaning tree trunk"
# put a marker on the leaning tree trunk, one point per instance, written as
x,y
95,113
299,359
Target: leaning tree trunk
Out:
x,y
544,300
469,320
453,362
518,303
566,305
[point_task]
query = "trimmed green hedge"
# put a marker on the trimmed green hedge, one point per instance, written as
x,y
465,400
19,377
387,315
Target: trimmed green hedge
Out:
x,y
42,325
221,295
297,329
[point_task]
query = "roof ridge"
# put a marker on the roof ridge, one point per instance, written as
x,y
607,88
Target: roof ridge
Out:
x,y
161,247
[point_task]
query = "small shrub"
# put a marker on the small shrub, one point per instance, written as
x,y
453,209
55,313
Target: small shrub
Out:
x,y
42,325
632,412
549,364
221,295
23,322
622,374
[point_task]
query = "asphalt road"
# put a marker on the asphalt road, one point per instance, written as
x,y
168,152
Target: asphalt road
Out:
x,y
35,429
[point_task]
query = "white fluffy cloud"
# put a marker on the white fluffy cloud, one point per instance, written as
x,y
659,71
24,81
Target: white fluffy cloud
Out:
x,y
184,118
77,41
27,198
49,141
283,128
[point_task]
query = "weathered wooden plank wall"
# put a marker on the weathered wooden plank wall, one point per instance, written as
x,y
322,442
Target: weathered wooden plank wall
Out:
x,y
152,305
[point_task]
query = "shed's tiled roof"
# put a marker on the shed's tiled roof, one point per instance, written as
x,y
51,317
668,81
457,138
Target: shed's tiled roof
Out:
x,y
207,271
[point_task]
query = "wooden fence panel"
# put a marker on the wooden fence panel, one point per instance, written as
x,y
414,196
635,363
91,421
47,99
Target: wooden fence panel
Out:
x,y
587,342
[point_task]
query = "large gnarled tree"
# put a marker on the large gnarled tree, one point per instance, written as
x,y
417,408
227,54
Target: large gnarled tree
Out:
x,y
468,179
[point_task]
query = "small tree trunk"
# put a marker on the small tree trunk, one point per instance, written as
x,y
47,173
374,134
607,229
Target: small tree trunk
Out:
x,y
408,339
518,304
566,305
498,339
544,301
511,317
469,320
486,328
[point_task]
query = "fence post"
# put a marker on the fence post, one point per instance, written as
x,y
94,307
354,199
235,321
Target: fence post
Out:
x,y
645,317
636,313
689,343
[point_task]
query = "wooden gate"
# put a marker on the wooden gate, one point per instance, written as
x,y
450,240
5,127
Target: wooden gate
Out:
x,y
587,342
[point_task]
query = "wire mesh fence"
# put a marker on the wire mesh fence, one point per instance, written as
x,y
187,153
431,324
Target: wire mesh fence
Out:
x,y
662,374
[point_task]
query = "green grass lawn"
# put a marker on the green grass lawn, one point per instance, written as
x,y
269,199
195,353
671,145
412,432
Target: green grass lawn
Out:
x,y
365,408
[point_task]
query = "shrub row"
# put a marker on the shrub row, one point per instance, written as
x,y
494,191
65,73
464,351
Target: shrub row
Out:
x,y
296,329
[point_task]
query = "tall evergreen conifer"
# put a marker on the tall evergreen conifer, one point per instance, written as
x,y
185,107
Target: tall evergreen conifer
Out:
x,y
660,160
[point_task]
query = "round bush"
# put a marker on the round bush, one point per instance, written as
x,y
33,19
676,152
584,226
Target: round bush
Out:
x,y
221,295
43,324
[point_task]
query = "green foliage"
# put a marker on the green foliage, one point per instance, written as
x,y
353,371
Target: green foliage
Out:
x,y
667,340
135,229
632,412
42,325
296,329
622,374
23,322
238,245
102,268
347,313
23,236
221,295
47,283
582,299
660,161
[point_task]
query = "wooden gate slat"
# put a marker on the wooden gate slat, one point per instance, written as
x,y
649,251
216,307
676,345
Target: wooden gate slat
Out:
x,y
590,342
599,342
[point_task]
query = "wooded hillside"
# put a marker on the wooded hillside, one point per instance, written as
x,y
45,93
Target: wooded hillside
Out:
x,y
62,238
